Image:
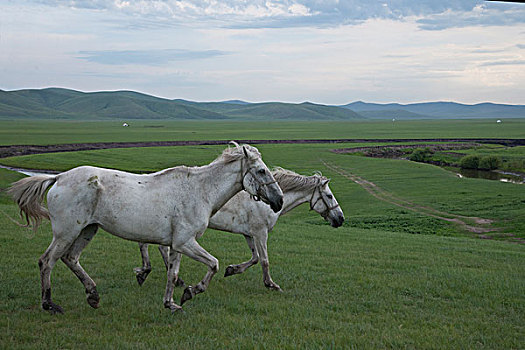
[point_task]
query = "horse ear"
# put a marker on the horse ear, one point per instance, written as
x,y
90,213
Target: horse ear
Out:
x,y
245,152
325,182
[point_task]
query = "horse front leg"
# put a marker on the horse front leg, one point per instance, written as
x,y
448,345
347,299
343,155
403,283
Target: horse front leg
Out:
x,y
192,249
240,268
143,272
165,253
172,274
262,249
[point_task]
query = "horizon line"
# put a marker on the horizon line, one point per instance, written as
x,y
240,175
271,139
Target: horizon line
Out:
x,y
264,101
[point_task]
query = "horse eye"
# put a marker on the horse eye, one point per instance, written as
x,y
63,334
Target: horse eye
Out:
x,y
261,171
329,196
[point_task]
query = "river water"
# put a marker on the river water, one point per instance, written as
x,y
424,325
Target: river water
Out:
x,y
489,175
30,172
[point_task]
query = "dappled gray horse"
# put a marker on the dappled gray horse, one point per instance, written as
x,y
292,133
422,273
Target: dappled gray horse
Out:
x,y
254,220
171,207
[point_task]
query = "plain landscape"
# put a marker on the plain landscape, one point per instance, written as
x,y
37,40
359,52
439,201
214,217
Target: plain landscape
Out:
x,y
413,110
425,258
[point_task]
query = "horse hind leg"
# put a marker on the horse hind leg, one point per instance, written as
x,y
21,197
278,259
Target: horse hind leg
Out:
x,y
240,268
143,272
71,260
47,261
262,248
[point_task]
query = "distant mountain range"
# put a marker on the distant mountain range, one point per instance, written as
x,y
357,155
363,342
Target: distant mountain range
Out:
x,y
59,103
436,110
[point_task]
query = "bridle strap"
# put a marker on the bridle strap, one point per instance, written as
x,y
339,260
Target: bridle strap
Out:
x,y
328,207
256,197
257,180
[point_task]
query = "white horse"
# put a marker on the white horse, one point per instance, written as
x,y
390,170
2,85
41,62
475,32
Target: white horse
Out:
x,y
254,220
171,207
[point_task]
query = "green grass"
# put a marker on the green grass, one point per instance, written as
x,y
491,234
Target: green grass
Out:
x,y
38,132
388,278
342,288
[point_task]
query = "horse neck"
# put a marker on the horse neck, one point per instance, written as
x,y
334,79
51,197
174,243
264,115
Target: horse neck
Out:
x,y
295,198
221,182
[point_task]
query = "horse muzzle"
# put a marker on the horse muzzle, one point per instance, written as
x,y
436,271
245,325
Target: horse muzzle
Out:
x,y
277,205
338,221
273,196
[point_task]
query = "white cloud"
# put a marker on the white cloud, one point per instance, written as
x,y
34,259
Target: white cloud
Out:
x,y
326,51
146,57
435,15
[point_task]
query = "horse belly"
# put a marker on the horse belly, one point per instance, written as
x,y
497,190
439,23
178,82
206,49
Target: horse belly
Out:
x,y
231,219
137,219
134,229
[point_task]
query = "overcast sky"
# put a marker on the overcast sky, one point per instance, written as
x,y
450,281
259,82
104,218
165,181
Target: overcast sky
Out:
x,y
324,51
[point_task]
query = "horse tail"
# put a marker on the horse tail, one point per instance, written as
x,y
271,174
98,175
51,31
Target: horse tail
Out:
x,y
29,194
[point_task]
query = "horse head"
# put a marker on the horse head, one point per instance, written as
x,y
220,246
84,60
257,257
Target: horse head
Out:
x,y
324,203
258,181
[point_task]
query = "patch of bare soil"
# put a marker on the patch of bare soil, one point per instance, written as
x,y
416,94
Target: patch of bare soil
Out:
x,y
476,225
397,151
21,150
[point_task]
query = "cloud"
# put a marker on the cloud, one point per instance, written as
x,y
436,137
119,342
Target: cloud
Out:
x,y
480,15
487,51
503,63
434,15
146,57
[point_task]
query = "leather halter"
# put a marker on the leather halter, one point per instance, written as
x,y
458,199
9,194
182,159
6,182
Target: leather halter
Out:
x,y
328,207
256,197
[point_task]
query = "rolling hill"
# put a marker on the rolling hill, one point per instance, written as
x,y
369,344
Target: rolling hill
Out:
x,y
70,104
57,103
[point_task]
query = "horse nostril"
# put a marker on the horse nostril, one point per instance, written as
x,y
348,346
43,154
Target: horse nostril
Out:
x,y
277,205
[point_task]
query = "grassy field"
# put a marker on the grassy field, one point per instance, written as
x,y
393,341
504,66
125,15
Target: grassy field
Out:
x,y
39,132
392,277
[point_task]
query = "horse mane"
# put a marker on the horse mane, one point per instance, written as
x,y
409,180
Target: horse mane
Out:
x,y
289,180
232,154
229,155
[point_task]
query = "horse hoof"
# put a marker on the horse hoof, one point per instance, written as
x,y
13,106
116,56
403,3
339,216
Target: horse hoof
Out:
x,y
175,308
140,279
274,287
187,295
179,282
52,308
229,271
93,299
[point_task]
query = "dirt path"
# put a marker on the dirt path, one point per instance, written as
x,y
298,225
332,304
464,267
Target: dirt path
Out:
x,y
471,224
21,150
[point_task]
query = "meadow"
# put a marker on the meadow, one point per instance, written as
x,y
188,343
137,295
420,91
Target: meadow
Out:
x,y
42,132
393,276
